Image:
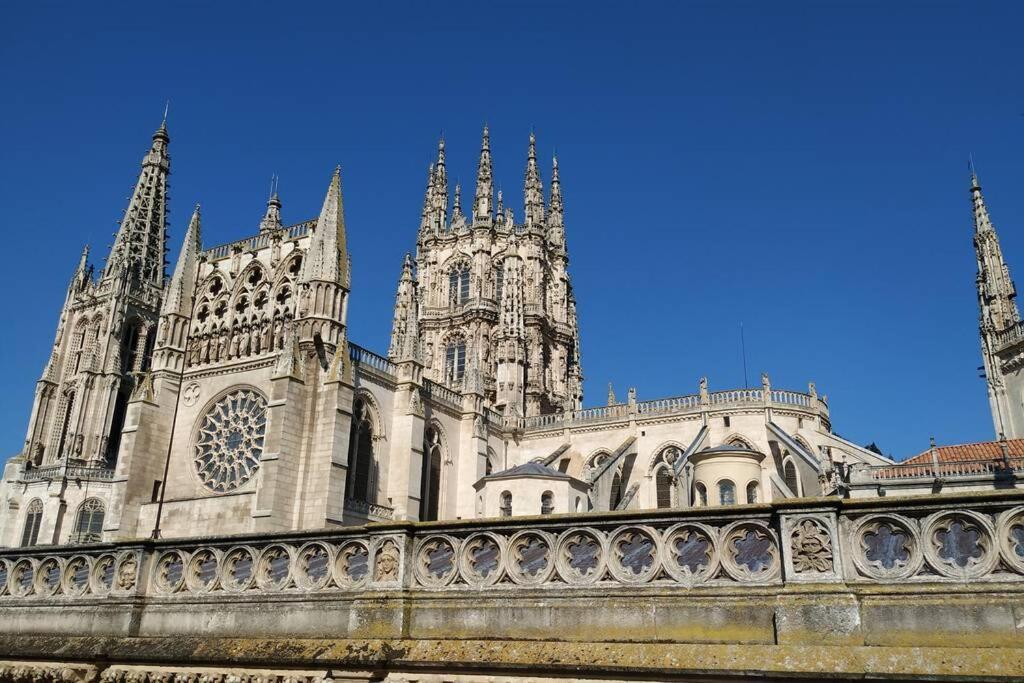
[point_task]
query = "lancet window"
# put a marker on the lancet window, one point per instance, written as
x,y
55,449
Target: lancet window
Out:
x,y
790,476
33,520
458,284
726,492
752,496
430,484
455,362
505,507
359,482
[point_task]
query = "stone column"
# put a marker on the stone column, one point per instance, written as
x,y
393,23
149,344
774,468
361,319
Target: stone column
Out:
x,y
405,460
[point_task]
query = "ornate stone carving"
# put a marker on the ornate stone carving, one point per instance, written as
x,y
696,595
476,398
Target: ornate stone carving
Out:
x,y
530,558
386,563
191,394
237,572
313,570
811,546
203,570
229,441
750,552
482,559
634,554
886,547
169,571
1010,528
580,557
960,544
127,572
691,552
436,561
102,579
274,567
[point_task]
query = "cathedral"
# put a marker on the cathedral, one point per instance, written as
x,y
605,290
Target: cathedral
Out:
x,y
228,397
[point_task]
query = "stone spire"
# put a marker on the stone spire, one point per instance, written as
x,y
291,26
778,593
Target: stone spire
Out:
x,y
533,188
555,217
457,204
83,273
482,202
326,277
327,259
272,218
178,299
405,326
996,292
140,242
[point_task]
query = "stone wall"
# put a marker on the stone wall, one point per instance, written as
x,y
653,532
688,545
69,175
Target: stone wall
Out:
x,y
929,587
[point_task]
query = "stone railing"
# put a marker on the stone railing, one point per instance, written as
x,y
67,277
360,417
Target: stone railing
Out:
x,y
441,393
943,470
371,511
678,405
257,241
914,540
1010,335
80,472
365,357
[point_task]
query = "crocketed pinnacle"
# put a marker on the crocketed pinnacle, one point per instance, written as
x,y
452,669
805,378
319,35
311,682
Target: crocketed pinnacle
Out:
x,y
272,218
555,216
178,299
533,188
327,257
996,292
482,201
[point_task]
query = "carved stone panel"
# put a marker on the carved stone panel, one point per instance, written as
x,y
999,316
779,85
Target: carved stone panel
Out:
x,y
810,547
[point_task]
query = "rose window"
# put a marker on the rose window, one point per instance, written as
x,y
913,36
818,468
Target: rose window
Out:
x,y
230,441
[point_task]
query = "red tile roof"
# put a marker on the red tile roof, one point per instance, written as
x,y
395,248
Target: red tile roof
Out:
x,y
982,450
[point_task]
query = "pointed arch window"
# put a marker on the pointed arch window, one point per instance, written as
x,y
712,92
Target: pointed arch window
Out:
x,y
33,520
359,479
789,474
663,486
499,282
505,508
430,482
89,522
726,492
616,493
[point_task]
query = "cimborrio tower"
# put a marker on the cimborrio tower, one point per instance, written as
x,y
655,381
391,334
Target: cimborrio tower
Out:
x,y
490,300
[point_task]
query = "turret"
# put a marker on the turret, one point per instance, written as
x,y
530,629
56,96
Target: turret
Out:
x,y
440,190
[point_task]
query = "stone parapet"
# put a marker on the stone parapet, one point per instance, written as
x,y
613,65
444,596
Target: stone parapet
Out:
x,y
925,586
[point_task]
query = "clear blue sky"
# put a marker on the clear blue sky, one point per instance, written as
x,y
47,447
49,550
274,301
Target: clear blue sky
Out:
x,y
797,167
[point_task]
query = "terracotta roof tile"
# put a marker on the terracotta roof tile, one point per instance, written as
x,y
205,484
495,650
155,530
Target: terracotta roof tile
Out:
x,y
982,450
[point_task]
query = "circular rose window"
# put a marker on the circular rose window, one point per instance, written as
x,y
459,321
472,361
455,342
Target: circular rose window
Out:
x,y
230,440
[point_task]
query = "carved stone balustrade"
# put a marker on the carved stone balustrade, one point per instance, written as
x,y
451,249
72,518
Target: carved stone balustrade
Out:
x,y
868,581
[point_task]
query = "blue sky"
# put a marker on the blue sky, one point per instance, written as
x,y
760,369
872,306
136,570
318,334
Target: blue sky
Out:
x,y
799,168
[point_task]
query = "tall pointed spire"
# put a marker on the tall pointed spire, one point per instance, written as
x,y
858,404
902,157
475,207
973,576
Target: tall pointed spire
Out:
x,y
533,188
996,292
83,273
272,218
178,299
457,205
327,258
482,201
140,243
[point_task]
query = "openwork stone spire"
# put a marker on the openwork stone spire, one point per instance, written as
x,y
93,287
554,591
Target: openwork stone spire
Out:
x,y
555,216
996,292
428,203
440,187
140,244
483,201
533,188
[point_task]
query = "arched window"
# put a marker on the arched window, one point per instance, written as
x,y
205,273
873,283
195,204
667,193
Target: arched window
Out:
x,y
547,503
455,362
579,504
65,425
130,348
701,497
616,495
790,476
499,282
752,492
358,482
430,483
89,522
33,520
77,348
663,484
505,508
458,284
726,492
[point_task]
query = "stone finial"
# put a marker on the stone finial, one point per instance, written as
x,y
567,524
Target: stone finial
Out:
x,y
611,395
